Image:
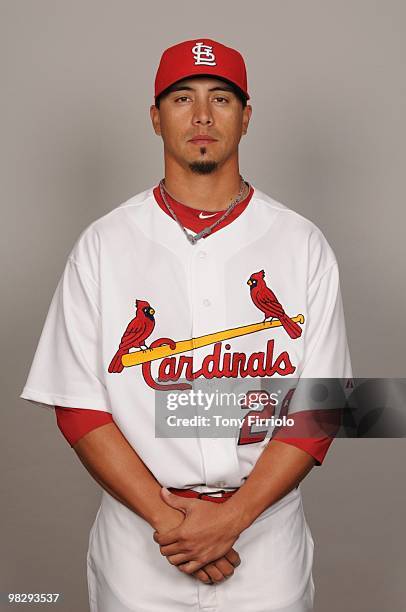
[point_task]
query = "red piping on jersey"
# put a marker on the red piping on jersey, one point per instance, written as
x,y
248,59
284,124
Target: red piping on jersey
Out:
x,y
189,217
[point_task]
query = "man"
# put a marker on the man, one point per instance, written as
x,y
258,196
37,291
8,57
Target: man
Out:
x,y
201,278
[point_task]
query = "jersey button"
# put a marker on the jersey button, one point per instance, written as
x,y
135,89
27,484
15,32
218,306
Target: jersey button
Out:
x,y
220,484
202,254
206,302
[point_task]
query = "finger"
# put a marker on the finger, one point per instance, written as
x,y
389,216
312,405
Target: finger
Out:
x,y
190,567
224,566
233,557
166,538
214,573
171,549
175,501
178,559
203,576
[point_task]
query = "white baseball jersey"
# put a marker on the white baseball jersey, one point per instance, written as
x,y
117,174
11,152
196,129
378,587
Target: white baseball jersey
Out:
x,y
137,252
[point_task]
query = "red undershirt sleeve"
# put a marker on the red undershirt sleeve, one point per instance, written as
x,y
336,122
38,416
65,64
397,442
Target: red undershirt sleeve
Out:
x,y
74,423
317,447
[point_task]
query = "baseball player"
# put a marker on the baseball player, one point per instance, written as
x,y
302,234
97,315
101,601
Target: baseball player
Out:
x,y
202,278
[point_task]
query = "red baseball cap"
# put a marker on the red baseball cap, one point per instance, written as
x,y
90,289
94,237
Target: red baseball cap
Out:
x,y
200,56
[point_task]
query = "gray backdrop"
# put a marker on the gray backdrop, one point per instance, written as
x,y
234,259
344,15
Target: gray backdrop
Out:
x,y
327,139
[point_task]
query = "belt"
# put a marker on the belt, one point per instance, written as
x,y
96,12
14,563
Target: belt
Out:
x,y
215,496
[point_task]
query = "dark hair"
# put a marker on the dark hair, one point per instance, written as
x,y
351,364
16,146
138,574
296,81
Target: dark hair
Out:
x,y
236,90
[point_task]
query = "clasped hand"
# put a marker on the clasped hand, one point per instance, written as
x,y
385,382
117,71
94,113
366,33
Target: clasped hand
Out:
x,y
203,540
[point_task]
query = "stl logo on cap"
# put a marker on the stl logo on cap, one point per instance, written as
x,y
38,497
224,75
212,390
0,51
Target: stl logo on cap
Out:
x,y
203,54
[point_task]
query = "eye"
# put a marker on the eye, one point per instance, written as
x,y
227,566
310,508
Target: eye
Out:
x,y
221,98
181,98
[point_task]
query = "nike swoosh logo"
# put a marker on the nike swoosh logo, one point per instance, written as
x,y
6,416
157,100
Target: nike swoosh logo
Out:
x,y
203,216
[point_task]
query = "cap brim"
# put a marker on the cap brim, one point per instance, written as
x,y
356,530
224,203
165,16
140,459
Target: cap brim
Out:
x,y
213,76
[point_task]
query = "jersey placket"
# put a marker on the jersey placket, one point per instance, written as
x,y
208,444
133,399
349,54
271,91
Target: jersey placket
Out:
x,y
206,283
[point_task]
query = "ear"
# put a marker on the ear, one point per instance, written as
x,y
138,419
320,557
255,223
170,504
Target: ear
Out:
x,y
247,111
155,119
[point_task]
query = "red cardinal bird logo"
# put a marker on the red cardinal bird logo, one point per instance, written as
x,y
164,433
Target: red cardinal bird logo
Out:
x,y
138,330
266,300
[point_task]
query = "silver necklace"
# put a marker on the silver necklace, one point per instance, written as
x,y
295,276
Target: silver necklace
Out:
x,y
207,230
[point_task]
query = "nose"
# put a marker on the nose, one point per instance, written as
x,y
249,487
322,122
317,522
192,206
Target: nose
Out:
x,y
202,113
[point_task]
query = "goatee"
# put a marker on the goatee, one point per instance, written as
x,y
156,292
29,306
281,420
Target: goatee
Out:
x,y
203,167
